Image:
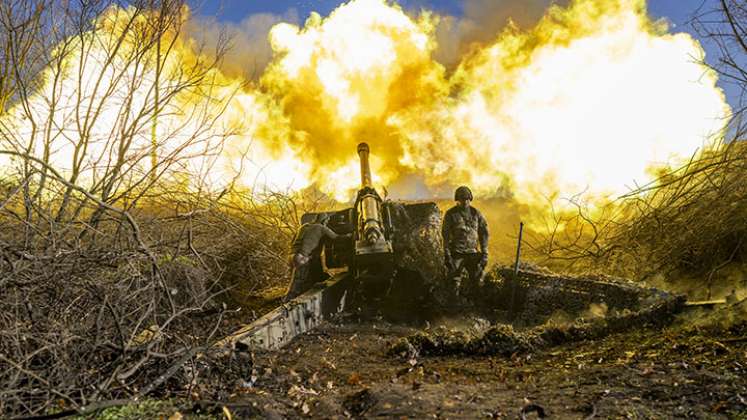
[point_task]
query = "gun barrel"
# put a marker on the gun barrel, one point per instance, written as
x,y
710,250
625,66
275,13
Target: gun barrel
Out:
x,y
371,228
363,152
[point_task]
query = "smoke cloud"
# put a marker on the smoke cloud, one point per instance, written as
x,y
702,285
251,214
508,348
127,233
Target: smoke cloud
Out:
x,y
509,97
587,98
248,49
482,22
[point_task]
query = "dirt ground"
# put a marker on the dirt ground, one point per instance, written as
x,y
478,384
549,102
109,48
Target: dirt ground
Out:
x,y
343,370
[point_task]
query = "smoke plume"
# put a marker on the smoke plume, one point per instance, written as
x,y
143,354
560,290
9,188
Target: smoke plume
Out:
x,y
247,48
482,22
586,97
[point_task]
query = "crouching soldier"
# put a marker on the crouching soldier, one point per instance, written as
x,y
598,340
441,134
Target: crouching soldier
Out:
x,y
465,235
305,257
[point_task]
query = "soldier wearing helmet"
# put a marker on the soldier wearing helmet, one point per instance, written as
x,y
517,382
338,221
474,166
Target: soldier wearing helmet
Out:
x,y
465,235
305,256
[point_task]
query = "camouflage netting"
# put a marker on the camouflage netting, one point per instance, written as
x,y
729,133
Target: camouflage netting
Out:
x,y
539,296
536,295
418,247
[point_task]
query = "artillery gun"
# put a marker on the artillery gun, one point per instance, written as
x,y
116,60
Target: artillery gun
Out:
x,y
393,247
394,262
379,228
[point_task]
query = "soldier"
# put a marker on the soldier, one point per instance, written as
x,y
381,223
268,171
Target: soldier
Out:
x,y
465,234
305,260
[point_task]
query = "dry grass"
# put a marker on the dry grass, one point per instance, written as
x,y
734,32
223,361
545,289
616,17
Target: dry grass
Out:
x,y
92,312
688,224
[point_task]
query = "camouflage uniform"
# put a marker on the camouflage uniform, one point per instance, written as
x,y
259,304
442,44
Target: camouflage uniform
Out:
x,y
465,234
305,260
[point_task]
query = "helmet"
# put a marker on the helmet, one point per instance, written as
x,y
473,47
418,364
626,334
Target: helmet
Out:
x,y
463,193
322,218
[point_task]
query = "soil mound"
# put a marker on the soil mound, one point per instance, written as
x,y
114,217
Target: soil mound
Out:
x,y
598,307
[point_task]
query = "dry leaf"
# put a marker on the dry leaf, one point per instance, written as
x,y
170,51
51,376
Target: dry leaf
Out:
x,y
354,379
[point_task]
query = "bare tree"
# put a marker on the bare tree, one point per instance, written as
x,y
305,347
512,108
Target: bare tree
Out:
x,y
725,26
105,254
105,87
22,50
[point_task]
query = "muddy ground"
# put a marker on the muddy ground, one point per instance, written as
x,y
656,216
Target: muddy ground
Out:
x,y
343,370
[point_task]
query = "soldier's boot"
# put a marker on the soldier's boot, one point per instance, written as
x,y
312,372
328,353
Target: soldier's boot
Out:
x,y
299,283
